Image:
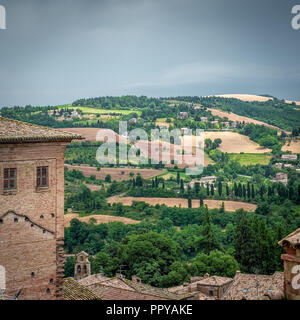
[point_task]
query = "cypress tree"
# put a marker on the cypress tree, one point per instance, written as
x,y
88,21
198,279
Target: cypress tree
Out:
x,y
181,186
201,202
220,187
244,191
189,202
197,187
178,178
235,190
240,190
248,190
227,190
207,189
252,192
212,190
208,240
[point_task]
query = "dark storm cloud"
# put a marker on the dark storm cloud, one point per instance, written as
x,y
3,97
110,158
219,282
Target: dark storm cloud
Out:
x,y
57,51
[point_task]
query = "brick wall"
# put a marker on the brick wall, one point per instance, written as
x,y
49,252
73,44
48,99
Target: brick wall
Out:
x,y
32,221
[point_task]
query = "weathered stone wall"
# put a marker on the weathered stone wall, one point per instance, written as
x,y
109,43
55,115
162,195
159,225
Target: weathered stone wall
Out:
x,y
31,247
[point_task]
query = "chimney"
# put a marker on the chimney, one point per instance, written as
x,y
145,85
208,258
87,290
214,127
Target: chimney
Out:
x,y
206,275
119,276
291,259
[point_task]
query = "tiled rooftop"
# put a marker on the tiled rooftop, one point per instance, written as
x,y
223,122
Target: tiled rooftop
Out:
x,y
214,281
255,287
123,289
292,239
13,131
72,290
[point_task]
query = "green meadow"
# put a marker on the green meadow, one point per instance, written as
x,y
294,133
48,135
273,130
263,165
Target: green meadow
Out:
x,y
246,159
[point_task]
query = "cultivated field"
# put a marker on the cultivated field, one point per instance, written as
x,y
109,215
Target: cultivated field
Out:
x,y
245,97
233,142
230,206
234,117
99,218
90,110
251,98
117,174
91,133
246,159
293,146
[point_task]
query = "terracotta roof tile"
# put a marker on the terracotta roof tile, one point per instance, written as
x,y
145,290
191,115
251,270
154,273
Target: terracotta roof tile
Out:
x,y
255,287
214,281
292,239
72,290
123,289
13,131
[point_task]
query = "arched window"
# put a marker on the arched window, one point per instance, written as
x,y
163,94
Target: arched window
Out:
x,y
2,279
85,269
78,269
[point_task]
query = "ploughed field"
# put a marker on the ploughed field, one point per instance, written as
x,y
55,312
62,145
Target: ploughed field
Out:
x,y
293,146
251,98
117,174
232,142
99,218
230,206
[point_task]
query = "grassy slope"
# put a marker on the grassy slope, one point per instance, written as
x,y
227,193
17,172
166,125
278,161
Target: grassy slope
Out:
x,y
251,158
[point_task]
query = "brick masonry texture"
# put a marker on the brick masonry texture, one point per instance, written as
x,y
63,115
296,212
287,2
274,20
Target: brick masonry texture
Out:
x,y
32,221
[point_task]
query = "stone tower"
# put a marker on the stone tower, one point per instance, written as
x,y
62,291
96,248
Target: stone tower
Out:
x,y
82,267
291,259
32,209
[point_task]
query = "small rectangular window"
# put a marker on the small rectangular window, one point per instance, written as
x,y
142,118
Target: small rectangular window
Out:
x,y
10,179
211,293
42,177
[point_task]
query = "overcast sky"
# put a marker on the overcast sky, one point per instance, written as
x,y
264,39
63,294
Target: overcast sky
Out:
x,y
56,51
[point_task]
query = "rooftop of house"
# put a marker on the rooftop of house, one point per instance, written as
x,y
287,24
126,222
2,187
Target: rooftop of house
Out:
x,y
106,288
72,290
255,287
14,131
214,281
92,279
292,240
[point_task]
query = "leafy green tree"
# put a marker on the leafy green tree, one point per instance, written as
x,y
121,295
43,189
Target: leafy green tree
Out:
x,y
216,263
208,241
108,178
244,243
103,262
148,248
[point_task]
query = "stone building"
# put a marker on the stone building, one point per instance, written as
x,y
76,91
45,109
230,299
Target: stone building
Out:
x,y
32,209
289,157
291,259
82,266
281,177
